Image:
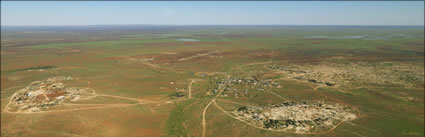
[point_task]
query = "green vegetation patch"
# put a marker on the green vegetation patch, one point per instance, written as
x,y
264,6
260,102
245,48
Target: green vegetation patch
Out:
x,y
34,68
174,126
176,95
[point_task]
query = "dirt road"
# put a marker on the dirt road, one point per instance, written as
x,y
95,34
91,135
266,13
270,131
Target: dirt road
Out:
x,y
197,55
204,125
141,61
190,88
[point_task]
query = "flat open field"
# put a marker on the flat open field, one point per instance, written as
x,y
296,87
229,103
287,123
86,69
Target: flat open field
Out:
x,y
213,81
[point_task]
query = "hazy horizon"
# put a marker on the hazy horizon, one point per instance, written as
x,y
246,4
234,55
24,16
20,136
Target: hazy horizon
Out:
x,y
82,13
202,25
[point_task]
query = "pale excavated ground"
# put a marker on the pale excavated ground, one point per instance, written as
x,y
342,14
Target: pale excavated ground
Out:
x,y
355,74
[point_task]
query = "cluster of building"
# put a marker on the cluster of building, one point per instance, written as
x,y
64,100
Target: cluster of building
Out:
x,y
238,86
176,94
40,95
298,117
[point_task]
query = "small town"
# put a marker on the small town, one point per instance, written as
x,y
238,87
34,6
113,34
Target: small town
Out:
x,y
297,117
242,87
40,95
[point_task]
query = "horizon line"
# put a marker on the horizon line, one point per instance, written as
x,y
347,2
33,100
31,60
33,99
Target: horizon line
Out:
x,y
207,25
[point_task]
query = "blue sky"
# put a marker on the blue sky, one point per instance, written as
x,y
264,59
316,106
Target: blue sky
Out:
x,y
213,12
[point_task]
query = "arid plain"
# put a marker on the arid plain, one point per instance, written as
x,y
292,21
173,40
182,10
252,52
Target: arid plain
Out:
x,y
212,81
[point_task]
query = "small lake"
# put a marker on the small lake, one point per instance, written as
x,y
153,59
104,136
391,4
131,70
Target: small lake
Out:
x,y
187,40
365,37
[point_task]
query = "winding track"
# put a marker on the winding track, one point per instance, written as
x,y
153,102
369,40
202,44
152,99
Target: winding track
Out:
x,y
204,125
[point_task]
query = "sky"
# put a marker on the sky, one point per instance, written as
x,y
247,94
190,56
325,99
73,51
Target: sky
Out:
x,y
212,12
